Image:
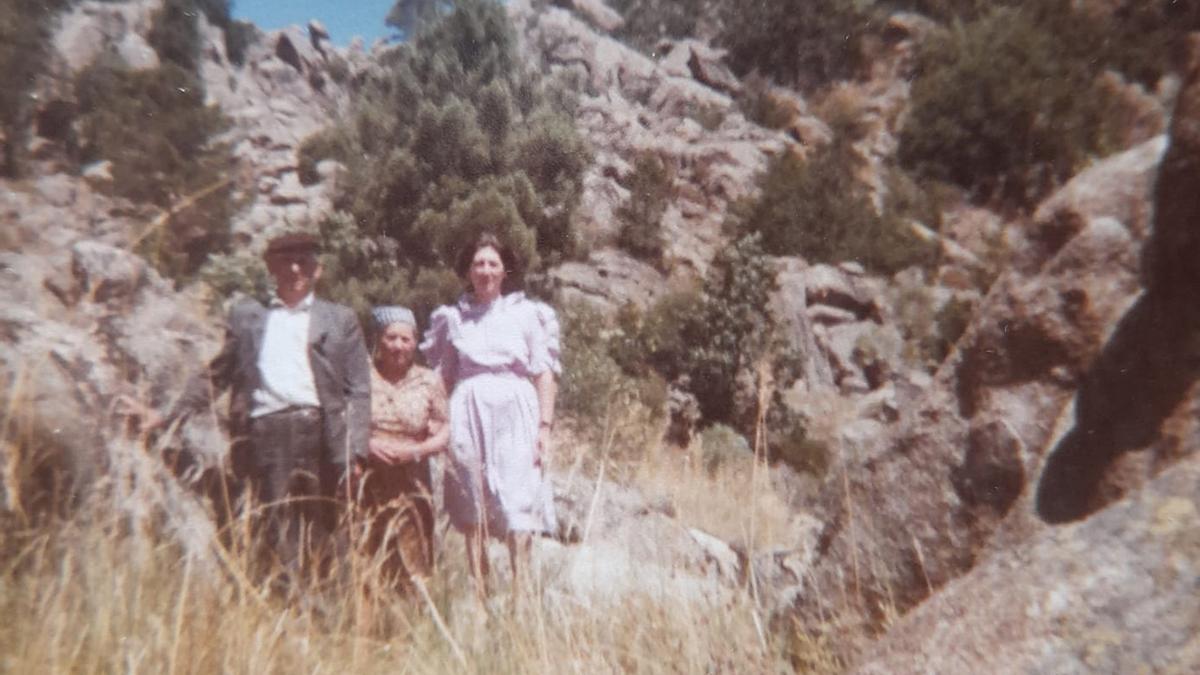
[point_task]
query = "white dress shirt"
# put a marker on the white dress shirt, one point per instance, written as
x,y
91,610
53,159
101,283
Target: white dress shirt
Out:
x,y
285,374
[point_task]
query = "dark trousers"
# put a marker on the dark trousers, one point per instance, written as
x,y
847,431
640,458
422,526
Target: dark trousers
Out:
x,y
295,489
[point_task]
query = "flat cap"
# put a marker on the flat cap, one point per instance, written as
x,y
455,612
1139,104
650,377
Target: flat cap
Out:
x,y
293,243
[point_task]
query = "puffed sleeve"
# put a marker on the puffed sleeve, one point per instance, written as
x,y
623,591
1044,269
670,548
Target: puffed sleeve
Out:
x,y
437,346
545,344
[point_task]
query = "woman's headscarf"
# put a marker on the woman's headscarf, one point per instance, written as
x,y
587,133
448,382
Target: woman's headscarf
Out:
x,y
386,315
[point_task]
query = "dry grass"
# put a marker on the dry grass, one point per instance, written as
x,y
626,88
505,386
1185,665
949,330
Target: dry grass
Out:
x,y
95,597
109,588
734,502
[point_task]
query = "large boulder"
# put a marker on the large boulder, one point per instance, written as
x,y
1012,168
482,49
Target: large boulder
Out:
x,y
1113,594
84,321
94,28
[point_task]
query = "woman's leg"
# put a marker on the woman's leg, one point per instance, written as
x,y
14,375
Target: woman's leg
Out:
x,y
477,560
520,548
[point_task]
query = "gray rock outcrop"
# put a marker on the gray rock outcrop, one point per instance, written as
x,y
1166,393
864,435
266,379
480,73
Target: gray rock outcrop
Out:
x,y
1037,445
1112,594
631,104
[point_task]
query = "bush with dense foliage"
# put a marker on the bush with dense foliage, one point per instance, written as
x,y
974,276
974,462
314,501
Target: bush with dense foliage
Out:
x,y
1001,109
650,191
652,339
154,126
25,29
817,208
799,44
1006,101
594,386
731,335
453,135
648,22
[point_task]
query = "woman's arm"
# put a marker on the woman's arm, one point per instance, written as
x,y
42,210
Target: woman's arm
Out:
x,y
547,393
396,450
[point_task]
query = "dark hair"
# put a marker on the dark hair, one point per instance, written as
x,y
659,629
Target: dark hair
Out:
x,y
512,265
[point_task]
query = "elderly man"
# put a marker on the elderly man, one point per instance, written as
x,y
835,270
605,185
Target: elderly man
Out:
x,y
300,381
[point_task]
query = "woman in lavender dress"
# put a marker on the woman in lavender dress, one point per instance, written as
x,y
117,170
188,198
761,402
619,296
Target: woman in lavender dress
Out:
x,y
498,353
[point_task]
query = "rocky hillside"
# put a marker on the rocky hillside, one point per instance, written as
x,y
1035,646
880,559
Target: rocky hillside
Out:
x,y
1024,502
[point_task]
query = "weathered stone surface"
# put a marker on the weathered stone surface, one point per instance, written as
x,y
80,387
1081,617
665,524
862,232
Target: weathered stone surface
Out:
x,y
1136,383
829,285
607,279
1118,187
696,59
1056,320
105,272
631,105
92,28
599,14
1113,594
84,320
136,52
98,174
791,310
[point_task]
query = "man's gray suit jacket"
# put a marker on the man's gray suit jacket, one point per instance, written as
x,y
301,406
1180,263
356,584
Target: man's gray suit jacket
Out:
x,y
340,368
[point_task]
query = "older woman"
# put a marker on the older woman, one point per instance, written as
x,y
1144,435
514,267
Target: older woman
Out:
x,y
498,353
408,425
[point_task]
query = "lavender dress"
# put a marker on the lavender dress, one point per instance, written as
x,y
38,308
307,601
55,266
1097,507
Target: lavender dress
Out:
x,y
489,355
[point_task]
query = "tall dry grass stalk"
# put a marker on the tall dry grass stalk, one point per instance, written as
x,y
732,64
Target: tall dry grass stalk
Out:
x,y
108,588
89,596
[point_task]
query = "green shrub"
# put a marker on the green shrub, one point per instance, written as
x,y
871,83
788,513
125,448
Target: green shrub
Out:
x,y
1141,39
174,34
593,383
732,334
409,17
156,130
801,44
653,340
650,192
722,446
25,31
817,208
649,22
237,273
453,135
1003,107
1144,40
